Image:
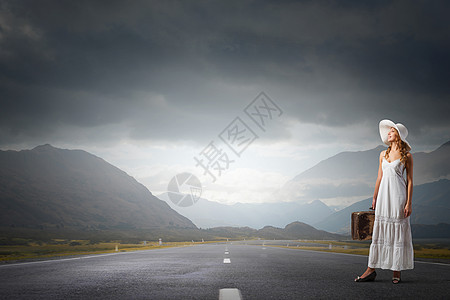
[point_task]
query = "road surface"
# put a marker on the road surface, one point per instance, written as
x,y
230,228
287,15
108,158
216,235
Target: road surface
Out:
x,y
201,271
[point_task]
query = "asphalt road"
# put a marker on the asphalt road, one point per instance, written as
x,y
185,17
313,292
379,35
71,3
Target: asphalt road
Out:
x,y
201,271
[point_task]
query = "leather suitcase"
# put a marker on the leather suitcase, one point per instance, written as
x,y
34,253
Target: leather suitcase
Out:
x,y
362,225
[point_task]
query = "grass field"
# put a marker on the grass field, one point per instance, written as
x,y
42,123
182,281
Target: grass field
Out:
x,y
57,247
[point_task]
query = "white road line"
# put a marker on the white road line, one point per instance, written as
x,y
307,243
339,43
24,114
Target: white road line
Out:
x,y
226,252
227,261
61,259
431,263
230,294
82,257
416,261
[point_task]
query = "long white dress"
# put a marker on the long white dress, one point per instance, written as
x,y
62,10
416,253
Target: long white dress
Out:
x,y
391,246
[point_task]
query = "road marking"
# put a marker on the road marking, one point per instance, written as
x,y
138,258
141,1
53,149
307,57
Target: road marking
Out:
x,y
226,252
227,261
431,263
230,294
61,259
416,261
85,256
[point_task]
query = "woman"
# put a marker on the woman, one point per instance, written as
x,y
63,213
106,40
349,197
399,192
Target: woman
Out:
x,y
391,246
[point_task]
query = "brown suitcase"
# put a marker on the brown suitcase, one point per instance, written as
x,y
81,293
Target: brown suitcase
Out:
x,y
362,225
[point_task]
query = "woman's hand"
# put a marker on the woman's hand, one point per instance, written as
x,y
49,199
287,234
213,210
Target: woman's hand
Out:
x,y
374,202
407,210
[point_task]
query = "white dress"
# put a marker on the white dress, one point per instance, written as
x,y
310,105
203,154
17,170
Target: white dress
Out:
x,y
391,246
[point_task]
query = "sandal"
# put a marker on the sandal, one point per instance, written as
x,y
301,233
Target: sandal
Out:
x,y
370,277
396,280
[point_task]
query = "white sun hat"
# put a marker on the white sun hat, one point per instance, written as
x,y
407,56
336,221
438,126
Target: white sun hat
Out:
x,y
386,125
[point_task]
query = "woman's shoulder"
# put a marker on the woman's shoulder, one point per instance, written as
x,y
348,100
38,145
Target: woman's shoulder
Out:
x,y
382,154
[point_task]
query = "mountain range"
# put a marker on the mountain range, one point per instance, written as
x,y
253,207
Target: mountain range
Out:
x,y
207,214
292,231
54,191
50,188
48,193
350,176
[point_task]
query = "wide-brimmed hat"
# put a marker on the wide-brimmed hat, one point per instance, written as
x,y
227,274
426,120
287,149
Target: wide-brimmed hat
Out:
x,y
386,125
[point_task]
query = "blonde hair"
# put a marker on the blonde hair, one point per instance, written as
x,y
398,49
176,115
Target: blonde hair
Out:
x,y
400,145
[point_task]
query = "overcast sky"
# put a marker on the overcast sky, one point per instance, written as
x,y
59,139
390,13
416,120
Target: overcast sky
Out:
x,y
147,85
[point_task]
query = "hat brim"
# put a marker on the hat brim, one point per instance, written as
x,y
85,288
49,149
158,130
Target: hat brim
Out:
x,y
385,126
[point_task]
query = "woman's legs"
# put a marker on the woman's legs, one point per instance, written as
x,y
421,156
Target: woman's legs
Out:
x,y
396,274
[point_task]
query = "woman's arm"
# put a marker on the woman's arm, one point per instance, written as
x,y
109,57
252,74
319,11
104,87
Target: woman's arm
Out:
x,y
377,183
409,184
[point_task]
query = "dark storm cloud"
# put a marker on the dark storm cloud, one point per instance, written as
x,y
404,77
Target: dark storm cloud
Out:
x,y
167,70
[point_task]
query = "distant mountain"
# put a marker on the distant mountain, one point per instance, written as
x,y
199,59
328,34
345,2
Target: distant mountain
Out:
x,y
350,176
432,166
297,230
347,177
431,206
292,231
207,214
50,188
